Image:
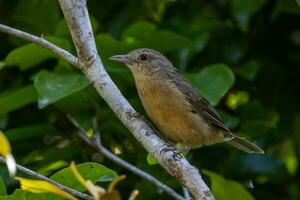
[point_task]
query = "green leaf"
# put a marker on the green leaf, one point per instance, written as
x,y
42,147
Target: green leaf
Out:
x,y
243,10
283,6
266,165
1,65
257,120
140,30
17,98
224,189
236,99
108,46
289,156
53,87
2,187
229,120
30,55
249,70
213,82
145,34
36,16
151,160
30,131
53,166
17,195
90,171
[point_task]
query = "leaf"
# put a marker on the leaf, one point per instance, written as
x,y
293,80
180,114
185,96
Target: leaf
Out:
x,y
151,160
13,99
145,34
53,87
93,189
266,165
2,187
30,55
90,171
43,20
40,186
249,70
17,195
5,151
283,6
213,82
229,120
224,189
53,166
140,30
29,132
257,120
243,10
1,65
237,99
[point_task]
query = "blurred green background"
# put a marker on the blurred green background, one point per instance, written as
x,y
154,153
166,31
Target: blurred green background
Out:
x,y
242,55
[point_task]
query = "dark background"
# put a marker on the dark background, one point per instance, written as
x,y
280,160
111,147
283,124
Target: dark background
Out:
x,y
242,55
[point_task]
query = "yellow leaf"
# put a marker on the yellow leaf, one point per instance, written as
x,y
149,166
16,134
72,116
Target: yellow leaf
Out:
x,y
134,194
39,186
115,195
5,149
77,175
94,190
112,184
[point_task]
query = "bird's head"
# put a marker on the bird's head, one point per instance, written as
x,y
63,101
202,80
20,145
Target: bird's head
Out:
x,y
143,60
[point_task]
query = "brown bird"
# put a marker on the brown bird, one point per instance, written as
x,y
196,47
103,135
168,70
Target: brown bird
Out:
x,y
180,113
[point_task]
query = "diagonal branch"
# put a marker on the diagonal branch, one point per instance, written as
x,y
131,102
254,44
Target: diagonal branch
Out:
x,y
41,42
44,178
77,17
98,146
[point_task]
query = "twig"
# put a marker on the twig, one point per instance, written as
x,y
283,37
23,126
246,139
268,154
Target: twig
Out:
x,y
97,144
77,18
186,194
44,178
41,42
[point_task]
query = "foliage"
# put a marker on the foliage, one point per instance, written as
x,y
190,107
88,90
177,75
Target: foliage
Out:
x,y
242,55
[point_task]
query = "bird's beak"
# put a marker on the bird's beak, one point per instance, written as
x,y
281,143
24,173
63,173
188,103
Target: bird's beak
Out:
x,y
121,58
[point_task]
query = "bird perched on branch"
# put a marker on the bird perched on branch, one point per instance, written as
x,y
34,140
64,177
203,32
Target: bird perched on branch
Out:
x,y
180,113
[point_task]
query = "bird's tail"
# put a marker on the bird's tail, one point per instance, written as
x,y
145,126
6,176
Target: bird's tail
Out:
x,y
244,145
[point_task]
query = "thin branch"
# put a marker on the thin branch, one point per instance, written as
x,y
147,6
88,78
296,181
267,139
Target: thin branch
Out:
x,y
77,17
44,178
186,194
41,42
98,146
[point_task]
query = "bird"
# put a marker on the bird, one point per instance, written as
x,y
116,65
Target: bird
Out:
x,y
175,107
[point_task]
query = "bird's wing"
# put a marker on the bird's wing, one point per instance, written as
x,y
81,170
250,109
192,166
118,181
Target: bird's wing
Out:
x,y
199,103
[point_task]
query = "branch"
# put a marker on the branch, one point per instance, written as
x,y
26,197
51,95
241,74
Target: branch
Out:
x,y
77,17
186,194
44,178
90,63
41,42
98,146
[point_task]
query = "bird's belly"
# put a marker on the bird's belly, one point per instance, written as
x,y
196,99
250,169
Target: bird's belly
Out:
x,y
172,114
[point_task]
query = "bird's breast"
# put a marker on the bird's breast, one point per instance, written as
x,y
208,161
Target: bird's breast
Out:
x,y
172,114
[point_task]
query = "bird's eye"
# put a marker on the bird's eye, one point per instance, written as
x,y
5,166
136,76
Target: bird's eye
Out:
x,y
143,57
